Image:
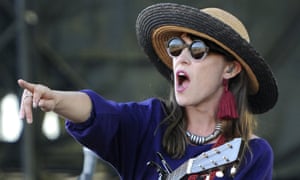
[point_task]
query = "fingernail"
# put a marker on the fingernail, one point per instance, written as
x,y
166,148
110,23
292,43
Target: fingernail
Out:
x,y
29,120
34,105
21,115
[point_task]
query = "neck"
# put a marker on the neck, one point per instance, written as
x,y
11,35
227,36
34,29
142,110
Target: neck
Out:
x,y
200,122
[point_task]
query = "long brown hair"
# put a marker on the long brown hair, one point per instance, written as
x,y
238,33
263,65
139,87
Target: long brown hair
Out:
x,y
175,140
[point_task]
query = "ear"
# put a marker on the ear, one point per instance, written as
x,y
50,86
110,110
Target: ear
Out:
x,y
232,69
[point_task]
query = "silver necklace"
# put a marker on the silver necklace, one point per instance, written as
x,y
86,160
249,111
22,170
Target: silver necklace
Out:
x,y
200,140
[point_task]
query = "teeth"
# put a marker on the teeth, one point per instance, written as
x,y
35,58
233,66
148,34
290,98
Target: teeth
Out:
x,y
181,74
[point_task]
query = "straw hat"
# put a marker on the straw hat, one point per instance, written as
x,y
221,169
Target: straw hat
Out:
x,y
158,23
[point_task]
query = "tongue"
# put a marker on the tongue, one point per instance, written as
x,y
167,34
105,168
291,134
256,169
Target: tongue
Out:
x,y
183,86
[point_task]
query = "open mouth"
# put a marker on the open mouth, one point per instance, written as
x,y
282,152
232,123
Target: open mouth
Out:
x,y
182,81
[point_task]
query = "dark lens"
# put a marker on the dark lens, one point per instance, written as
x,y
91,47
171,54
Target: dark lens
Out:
x,y
175,46
198,49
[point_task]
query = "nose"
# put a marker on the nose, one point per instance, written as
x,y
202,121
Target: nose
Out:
x,y
184,57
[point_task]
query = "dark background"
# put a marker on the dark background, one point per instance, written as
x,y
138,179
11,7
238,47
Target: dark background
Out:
x,y
72,45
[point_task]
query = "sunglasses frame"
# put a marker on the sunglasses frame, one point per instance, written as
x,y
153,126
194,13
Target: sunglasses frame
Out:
x,y
189,46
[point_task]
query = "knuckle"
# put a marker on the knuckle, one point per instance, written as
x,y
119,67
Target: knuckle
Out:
x,y
41,88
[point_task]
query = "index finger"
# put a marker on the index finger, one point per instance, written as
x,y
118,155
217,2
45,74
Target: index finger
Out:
x,y
26,85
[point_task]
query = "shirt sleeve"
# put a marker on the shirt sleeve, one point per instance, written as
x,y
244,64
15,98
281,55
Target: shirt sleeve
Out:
x,y
115,131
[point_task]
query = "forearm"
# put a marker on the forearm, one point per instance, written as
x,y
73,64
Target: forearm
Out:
x,y
75,106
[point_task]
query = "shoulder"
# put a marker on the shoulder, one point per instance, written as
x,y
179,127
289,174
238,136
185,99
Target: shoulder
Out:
x,y
260,145
258,161
260,152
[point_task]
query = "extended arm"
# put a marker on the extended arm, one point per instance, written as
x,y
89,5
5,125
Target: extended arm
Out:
x,y
73,105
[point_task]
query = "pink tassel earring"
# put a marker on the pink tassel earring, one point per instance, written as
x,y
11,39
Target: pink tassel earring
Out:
x,y
227,106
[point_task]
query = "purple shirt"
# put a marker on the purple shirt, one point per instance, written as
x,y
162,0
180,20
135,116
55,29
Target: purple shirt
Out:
x,y
124,135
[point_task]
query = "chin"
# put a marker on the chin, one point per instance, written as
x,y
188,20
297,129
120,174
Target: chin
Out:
x,y
181,101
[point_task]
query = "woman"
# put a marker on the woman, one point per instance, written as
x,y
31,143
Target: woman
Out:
x,y
218,83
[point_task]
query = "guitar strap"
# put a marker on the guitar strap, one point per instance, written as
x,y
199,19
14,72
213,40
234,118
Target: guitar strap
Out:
x,y
212,175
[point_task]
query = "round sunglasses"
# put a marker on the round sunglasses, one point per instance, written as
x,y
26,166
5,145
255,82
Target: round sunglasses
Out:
x,y
197,48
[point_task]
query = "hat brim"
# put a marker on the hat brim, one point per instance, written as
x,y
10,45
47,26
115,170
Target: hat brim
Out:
x,y
158,23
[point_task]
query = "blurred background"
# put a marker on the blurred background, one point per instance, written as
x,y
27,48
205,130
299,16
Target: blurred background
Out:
x,y
78,44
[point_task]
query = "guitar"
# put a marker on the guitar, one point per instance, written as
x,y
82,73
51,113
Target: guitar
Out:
x,y
214,159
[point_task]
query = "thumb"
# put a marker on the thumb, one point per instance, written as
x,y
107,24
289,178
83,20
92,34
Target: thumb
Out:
x,y
47,104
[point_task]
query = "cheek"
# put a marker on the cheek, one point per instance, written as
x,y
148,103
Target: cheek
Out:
x,y
207,87
211,72
208,82
209,78
214,68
